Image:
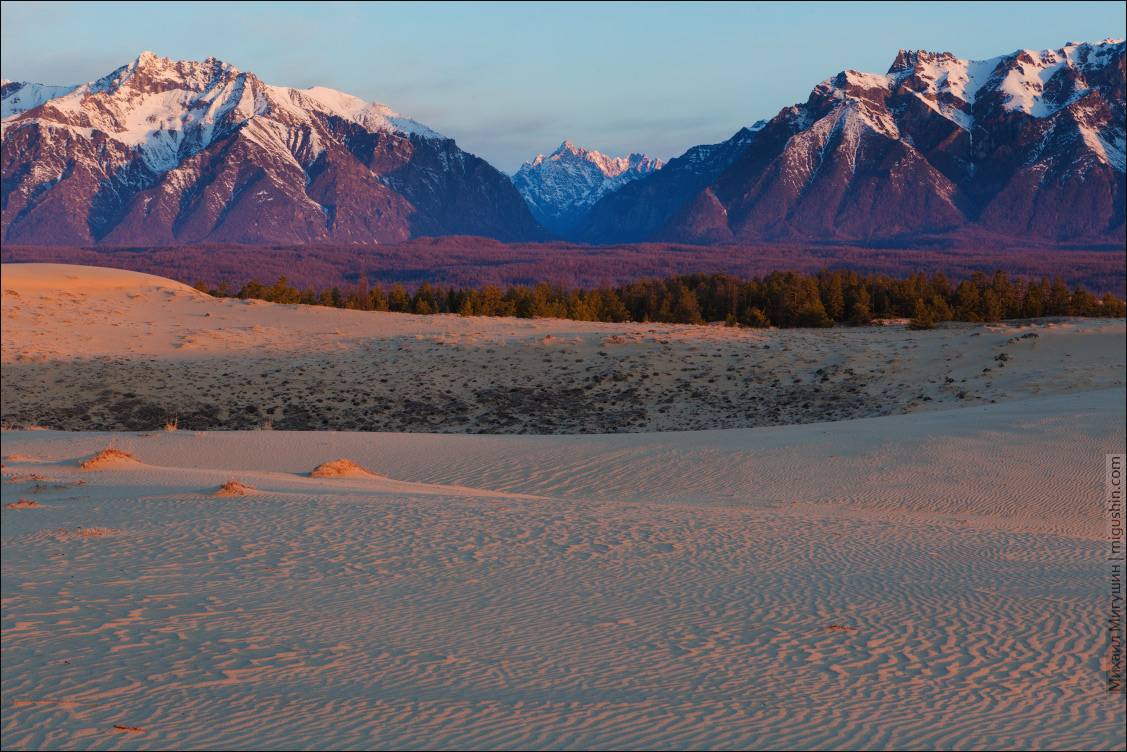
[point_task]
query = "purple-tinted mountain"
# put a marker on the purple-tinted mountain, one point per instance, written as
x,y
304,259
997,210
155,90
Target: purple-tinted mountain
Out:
x,y
561,188
1028,145
635,211
163,152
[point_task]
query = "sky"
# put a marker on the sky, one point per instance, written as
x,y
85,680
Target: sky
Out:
x,y
509,81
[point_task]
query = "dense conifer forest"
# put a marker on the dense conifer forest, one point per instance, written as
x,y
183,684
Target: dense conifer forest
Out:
x,y
780,299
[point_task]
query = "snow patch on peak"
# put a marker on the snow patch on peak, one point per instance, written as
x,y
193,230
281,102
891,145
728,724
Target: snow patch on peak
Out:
x,y
1036,82
21,96
372,115
560,188
166,111
610,167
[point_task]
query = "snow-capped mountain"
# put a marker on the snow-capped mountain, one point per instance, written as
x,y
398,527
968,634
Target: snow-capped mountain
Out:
x,y
635,211
1026,145
163,152
20,96
562,187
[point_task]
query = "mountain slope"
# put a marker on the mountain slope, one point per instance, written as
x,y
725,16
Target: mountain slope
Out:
x,y
173,152
1027,145
635,211
561,188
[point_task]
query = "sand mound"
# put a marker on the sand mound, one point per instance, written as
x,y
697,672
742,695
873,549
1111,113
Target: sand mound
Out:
x,y
342,469
83,279
234,488
107,458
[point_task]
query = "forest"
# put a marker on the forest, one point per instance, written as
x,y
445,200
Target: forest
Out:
x,y
479,262
779,299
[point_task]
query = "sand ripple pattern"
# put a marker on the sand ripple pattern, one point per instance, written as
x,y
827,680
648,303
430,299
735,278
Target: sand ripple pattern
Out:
x,y
375,613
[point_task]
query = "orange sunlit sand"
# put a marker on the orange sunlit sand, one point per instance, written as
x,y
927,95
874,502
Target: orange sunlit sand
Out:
x,y
899,573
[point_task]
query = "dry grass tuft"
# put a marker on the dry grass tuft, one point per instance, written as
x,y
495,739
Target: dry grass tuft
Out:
x,y
233,488
85,532
172,424
23,504
30,477
111,456
342,469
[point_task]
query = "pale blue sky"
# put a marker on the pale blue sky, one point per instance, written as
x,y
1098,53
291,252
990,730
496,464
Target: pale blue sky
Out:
x,y
510,80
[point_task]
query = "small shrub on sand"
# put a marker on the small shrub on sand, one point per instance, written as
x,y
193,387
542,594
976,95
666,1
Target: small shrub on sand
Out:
x,y
233,488
29,478
172,424
23,504
342,469
107,457
85,532
95,532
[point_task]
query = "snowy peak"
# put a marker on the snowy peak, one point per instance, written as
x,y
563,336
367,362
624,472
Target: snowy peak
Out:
x,y
561,188
1036,83
611,167
179,151
1028,144
633,212
167,111
20,96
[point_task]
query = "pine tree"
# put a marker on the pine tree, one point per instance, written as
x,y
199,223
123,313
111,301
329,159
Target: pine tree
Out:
x,y
967,302
835,299
253,289
377,301
990,307
1059,299
924,319
398,301
862,312
362,298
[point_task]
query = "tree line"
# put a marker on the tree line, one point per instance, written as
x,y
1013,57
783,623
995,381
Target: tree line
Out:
x,y
780,299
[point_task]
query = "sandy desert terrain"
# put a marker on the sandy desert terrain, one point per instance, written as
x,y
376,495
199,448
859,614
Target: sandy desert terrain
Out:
x,y
878,538
86,348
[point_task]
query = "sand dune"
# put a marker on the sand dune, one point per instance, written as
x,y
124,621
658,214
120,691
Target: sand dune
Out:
x,y
930,575
389,612
83,358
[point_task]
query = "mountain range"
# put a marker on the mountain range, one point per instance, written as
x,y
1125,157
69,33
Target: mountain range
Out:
x,y
163,152
1025,147
1028,145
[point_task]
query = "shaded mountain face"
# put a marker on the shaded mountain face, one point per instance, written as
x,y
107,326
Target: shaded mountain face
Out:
x,y
633,213
560,189
163,152
1028,145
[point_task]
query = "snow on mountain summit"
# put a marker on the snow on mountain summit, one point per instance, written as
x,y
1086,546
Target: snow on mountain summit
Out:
x,y
1028,144
561,187
180,151
168,110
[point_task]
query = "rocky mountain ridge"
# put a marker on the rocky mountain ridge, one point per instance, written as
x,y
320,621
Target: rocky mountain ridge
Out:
x,y
1026,145
562,187
174,152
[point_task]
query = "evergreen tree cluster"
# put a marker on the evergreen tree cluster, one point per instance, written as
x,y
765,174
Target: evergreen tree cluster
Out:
x,y
780,299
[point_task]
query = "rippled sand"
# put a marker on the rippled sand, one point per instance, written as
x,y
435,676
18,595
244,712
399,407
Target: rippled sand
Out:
x,y
929,577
